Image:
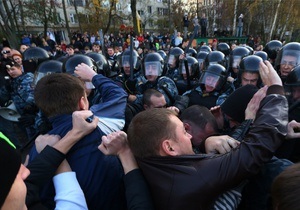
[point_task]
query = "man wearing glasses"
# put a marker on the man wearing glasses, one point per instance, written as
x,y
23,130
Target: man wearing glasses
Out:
x,y
288,58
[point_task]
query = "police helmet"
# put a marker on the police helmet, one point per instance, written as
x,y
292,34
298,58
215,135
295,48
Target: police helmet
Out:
x,y
204,48
173,57
262,54
224,48
153,64
62,58
163,54
191,52
215,76
250,64
76,59
216,57
32,57
101,62
291,50
124,59
250,49
236,56
272,48
192,65
47,67
293,78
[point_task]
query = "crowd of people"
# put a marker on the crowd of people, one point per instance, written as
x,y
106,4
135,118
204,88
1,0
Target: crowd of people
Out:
x,y
144,122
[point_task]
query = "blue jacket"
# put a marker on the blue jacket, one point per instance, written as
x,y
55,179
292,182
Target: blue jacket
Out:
x,y
21,92
99,176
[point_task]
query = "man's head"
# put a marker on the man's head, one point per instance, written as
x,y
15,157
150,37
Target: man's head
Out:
x,y
58,94
199,122
13,189
285,188
110,51
96,47
154,99
293,82
70,50
14,69
23,47
153,66
235,105
213,78
158,132
17,58
288,57
249,70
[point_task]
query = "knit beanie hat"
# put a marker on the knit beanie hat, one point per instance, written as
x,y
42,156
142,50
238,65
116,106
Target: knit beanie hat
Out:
x,y
236,103
10,161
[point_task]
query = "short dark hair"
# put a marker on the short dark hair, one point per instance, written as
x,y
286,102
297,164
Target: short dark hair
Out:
x,y
70,46
58,93
147,96
148,129
200,116
285,188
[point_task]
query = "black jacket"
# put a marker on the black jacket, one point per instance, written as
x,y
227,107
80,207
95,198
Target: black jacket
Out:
x,y
195,181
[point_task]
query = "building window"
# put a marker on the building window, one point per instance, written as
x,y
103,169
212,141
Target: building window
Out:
x,y
73,18
141,12
151,23
58,19
79,3
149,9
165,11
162,11
159,11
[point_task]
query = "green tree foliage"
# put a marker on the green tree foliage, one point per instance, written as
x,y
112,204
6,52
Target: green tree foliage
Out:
x,y
41,12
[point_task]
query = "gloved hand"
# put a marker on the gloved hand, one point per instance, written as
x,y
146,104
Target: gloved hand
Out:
x,y
31,109
130,85
27,120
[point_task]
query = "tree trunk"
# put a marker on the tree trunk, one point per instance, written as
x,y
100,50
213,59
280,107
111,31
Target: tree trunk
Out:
x,y
66,19
76,12
22,15
133,12
234,17
275,19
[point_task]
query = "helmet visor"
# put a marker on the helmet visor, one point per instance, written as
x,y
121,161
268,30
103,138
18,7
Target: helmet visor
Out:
x,y
152,68
236,61
210,79
126,61
183,69
40,75
290,58
171,60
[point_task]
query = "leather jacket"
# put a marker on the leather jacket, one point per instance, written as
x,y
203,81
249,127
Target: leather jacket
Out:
x,y
195,181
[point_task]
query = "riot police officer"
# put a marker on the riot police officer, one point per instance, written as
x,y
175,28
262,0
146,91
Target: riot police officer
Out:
x,y
249,71
272,48
173,62
235,58
189,74
153,77
212,84
127,77
288,57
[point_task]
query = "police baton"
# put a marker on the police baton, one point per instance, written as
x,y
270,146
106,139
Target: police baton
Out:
x,y
196,29
102,42
131,58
